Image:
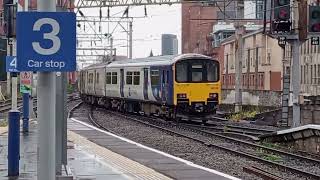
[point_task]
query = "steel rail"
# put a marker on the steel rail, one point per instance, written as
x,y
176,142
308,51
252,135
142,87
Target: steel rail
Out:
x,y
208,144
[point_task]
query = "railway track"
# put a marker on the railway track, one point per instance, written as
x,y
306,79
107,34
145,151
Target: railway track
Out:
x,y
229,128
248,152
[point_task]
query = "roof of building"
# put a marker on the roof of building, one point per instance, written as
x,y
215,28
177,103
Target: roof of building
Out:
x,y
248,34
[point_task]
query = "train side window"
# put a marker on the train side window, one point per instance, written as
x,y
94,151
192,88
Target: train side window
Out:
x,y
114,78
97,78
136,78
129,78
108,78
155,77
90,81
163,77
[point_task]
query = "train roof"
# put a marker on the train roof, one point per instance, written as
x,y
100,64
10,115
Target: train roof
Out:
x,y
148,61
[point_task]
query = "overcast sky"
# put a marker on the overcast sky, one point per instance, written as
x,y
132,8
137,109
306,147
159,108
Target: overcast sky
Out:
x,y
147,31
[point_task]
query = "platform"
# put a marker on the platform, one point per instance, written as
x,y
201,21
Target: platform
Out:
x,y
109,145
304,138
96,154
83,164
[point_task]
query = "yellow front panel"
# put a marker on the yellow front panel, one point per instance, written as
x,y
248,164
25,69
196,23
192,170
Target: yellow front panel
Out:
x,y
196,91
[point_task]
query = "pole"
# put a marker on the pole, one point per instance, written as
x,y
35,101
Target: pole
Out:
x,y
238,59
296,83
111,48
25,124
59,121
31,113
46,108
14,91
14,79
130,39
64,158
8,94
14,143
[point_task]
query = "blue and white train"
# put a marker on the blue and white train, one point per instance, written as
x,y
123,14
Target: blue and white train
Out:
x,y
167,86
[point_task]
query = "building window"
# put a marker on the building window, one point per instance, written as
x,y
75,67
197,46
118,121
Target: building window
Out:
x,y
318,77
223,80
307,74
314,81
269,58
114,78
108,78
311,74
302,75
129,78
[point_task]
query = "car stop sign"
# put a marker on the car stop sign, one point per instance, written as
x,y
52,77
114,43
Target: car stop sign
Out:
x,y
46,41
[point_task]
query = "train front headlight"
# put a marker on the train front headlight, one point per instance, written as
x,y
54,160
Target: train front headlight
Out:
x,y
182,96
213,96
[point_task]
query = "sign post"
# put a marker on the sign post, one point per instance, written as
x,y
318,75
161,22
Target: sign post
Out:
x,y
25,89
46,43
26,82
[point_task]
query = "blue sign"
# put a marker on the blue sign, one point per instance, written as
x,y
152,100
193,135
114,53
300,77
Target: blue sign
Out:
x,y
11,64
46,41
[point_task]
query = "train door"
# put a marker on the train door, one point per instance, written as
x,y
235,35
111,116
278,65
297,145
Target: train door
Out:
x,y
164,85
121,82
145,83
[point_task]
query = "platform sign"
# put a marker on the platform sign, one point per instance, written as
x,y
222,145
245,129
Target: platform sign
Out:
x,y
315,41
46,41
26,82
282,41
11,64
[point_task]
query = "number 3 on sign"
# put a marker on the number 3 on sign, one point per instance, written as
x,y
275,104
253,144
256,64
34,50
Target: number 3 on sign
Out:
x,y
56,43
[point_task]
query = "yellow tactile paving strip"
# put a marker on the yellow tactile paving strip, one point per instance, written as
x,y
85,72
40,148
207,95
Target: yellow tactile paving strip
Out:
x,y
122,163
3,130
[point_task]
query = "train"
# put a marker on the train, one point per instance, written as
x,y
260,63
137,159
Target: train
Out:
x,y
172,86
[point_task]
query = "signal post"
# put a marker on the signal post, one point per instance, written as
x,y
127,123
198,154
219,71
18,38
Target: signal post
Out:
x,y
295,34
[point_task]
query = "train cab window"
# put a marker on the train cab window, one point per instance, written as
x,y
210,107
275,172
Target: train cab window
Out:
x,y
197,70
108,78
114,78
154,77
182,71
196,73
136,78
212,72
129,78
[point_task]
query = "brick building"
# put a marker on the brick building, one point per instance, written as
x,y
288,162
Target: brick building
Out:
x,y
261,70
195,29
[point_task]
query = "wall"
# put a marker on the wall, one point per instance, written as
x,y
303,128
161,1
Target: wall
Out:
x,y
195,31
253,97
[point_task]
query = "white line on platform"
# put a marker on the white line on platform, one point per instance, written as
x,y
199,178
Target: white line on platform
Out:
x,y
157,151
